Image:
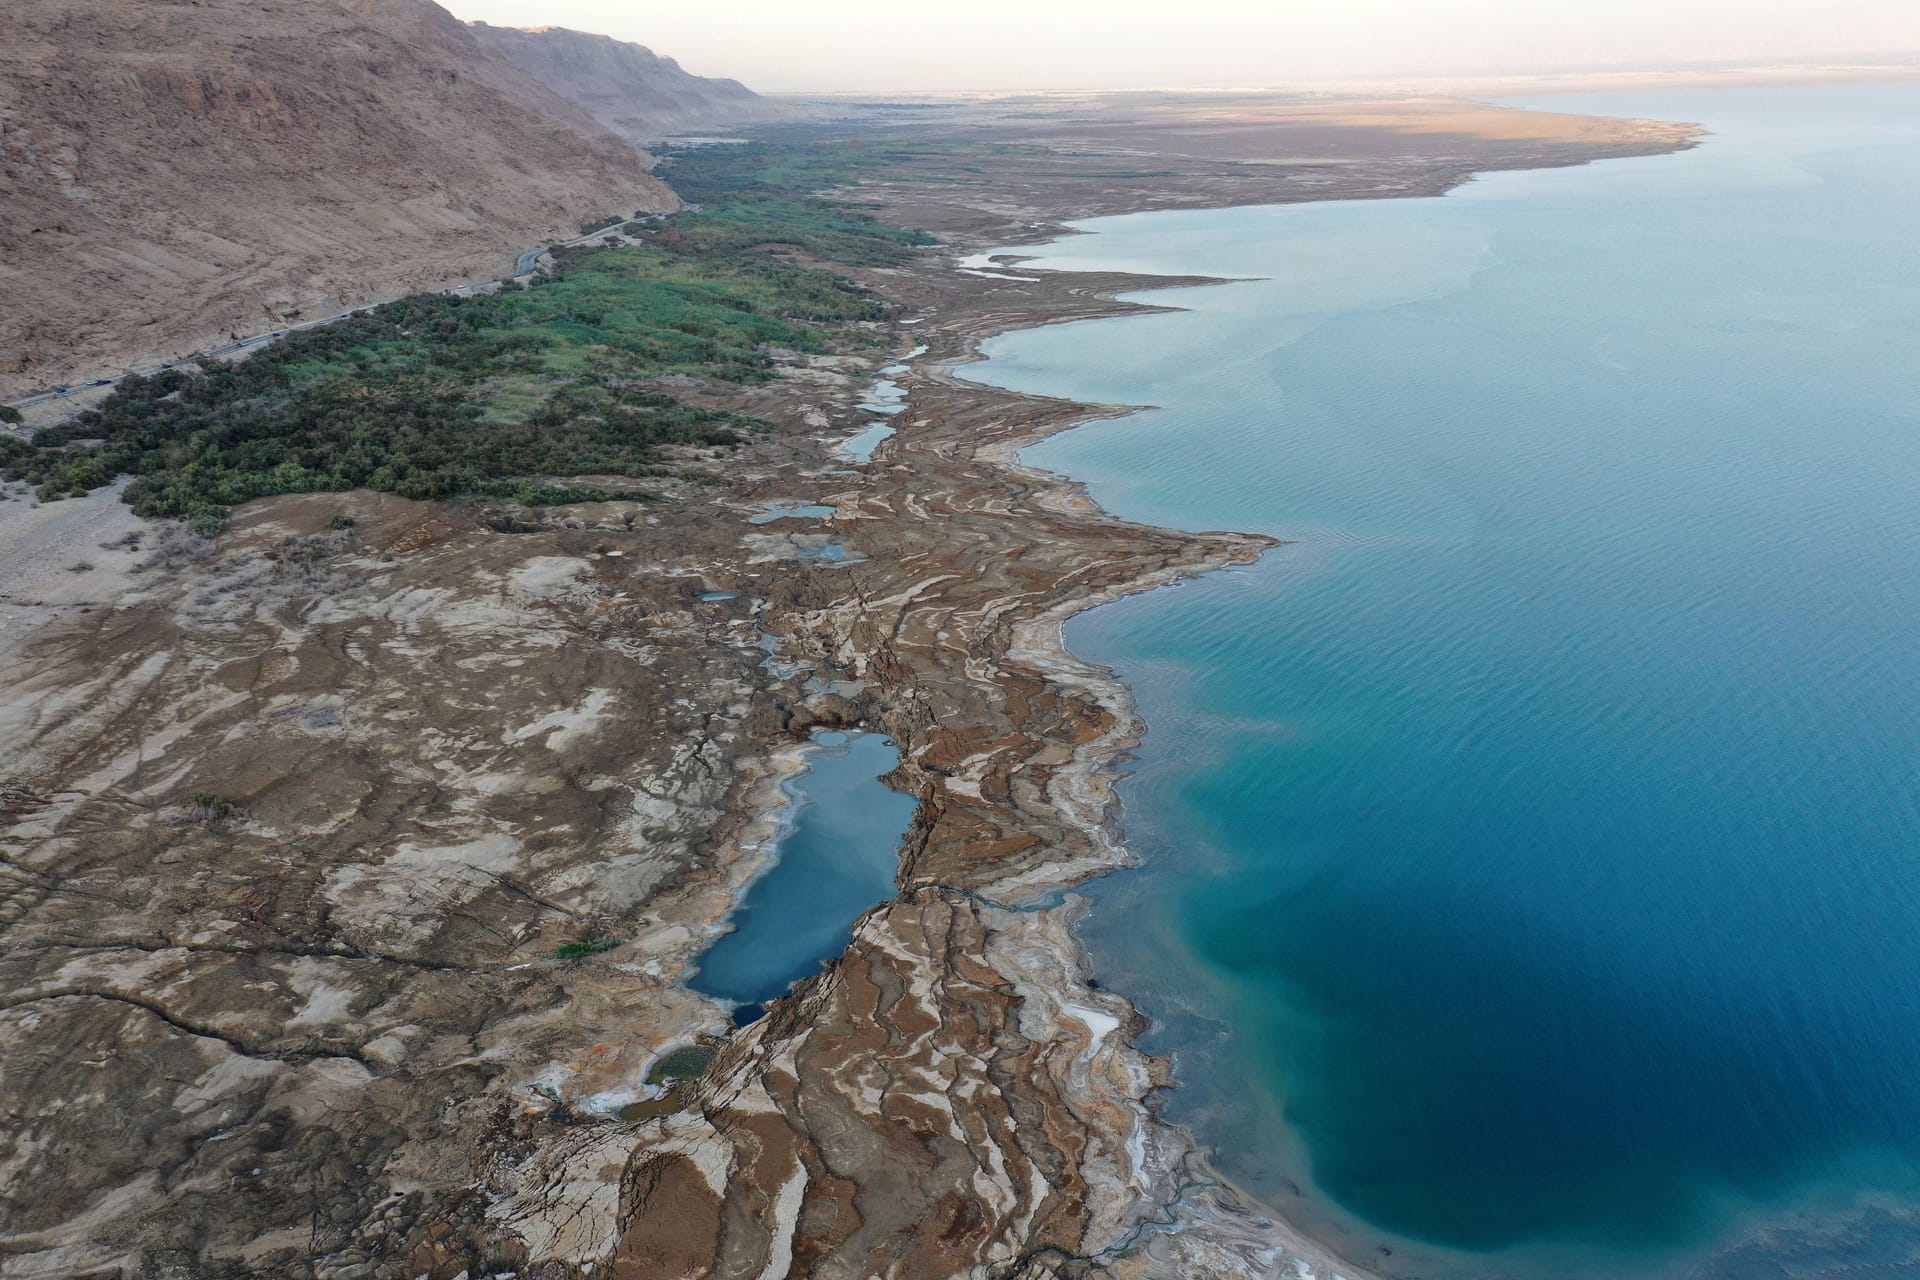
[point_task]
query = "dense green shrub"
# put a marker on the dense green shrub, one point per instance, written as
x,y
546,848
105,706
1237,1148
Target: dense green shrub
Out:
x,y
501,393
583,948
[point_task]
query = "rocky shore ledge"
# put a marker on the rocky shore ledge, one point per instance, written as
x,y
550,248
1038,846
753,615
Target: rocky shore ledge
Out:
x,y
303,823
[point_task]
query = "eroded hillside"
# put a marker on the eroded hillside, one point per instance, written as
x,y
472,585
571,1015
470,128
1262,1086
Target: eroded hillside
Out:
x,y
174,172
628,88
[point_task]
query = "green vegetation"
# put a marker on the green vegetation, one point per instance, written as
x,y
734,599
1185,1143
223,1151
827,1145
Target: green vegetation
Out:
x,y
583,948
10,415
508,394
763,193
793,162
211,810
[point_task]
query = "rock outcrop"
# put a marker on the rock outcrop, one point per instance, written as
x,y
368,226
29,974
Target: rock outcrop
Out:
x,y
174,171
627,87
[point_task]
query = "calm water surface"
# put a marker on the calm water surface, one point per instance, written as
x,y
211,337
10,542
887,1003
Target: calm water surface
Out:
x,y
1532,880
836,858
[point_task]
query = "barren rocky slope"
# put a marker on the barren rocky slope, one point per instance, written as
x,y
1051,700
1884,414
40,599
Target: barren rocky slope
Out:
x,y
175,170
628,88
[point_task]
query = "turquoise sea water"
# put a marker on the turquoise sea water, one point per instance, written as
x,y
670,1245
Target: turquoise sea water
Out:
x,y
836,858
1532,846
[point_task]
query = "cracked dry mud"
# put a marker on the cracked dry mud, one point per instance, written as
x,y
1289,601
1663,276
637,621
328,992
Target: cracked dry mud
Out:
x,y
294,827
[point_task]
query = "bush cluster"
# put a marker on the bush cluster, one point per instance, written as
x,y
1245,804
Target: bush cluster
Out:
x,y
499,394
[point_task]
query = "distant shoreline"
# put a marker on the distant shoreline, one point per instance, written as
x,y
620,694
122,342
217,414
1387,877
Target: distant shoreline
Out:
x,y
1486,85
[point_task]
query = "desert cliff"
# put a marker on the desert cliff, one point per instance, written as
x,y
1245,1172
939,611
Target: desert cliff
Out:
x,y
626,87
173,172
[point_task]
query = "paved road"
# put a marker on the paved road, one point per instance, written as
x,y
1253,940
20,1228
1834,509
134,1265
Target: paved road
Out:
x,y
523,265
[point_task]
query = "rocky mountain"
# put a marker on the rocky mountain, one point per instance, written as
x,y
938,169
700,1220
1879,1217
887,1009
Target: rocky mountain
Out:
x,y
173,171
626,87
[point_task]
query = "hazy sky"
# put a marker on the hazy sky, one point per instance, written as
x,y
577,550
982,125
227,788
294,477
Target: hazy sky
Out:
x,y
802,45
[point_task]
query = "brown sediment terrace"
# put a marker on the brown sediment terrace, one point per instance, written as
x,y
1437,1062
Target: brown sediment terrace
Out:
x,y
342,1043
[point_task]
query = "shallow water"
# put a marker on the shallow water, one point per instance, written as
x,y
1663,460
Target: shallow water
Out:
x,y
832,552
773,511
887,396
1531,874
835,859
860,447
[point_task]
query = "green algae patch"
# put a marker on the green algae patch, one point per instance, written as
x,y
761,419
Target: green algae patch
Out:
x,y
675,1070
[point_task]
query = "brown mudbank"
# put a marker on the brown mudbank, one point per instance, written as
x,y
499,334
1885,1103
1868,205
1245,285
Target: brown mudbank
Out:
x,y
332,1039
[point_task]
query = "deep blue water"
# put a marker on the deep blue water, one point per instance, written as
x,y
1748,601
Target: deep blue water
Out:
x,y
836,858
1532,846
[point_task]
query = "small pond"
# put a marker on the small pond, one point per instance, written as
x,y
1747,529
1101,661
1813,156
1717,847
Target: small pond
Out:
x,y
860,447
836,858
